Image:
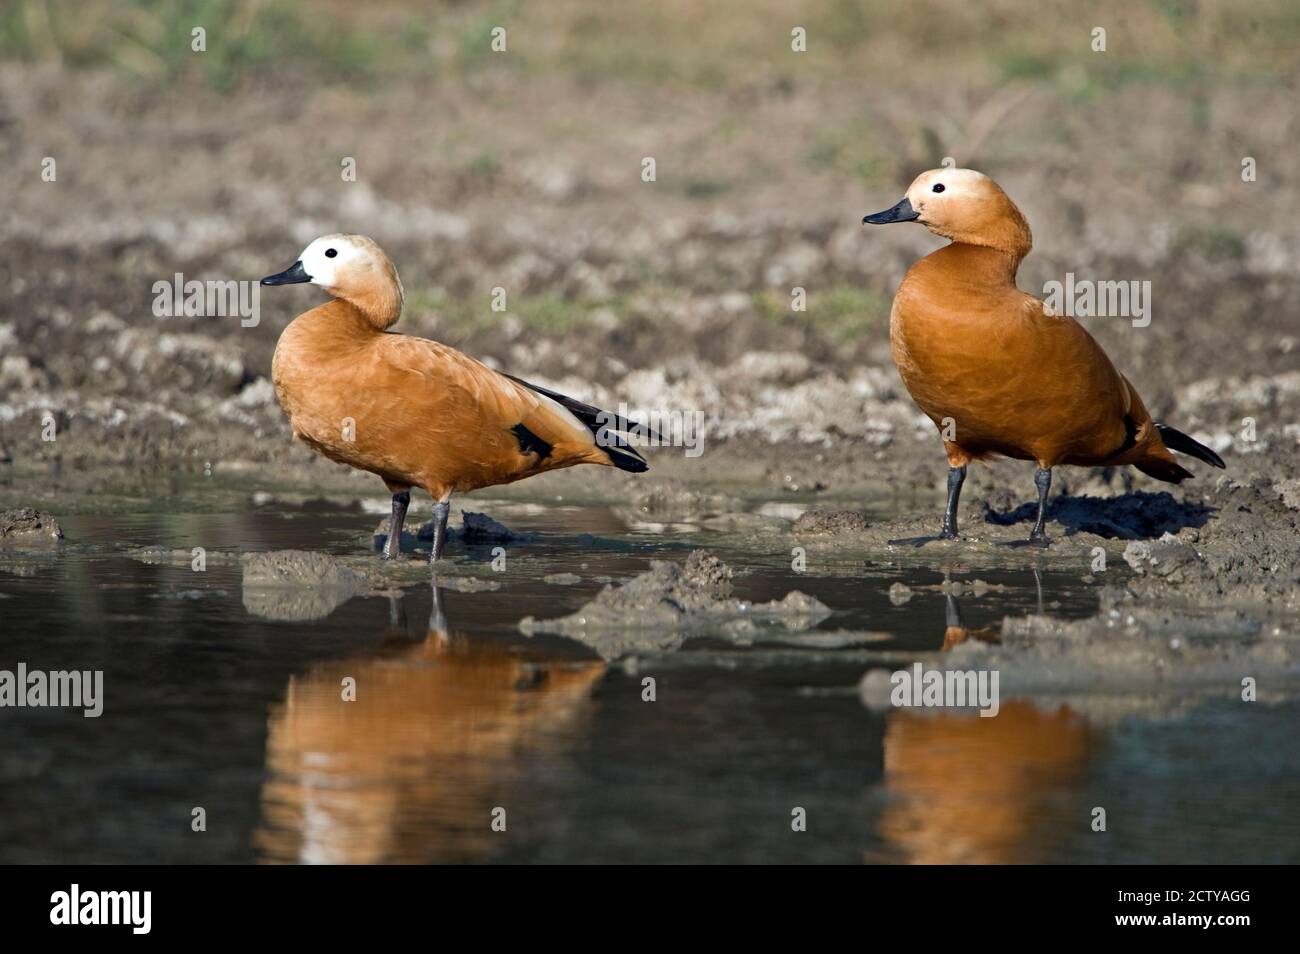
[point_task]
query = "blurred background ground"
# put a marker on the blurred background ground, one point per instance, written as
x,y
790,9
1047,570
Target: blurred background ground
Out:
x,y
522,169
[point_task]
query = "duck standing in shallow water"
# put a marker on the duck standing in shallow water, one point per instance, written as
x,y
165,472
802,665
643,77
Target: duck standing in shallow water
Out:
x,y
993,368
412,411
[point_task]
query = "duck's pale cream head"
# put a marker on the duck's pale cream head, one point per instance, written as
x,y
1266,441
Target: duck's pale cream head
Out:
x,y
353,268
962,205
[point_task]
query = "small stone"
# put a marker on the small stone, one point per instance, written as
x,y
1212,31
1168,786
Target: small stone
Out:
x,y
900,593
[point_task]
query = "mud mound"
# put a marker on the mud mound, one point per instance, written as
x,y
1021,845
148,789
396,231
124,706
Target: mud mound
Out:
x,y
26,525
831,522
657,608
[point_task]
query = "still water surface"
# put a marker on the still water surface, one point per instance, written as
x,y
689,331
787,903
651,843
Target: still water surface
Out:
x,y
210,703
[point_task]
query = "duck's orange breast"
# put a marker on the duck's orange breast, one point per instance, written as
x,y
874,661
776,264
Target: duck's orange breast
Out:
x,y
986,363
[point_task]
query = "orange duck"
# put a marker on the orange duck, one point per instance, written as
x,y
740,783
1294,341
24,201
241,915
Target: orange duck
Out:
x,y
412,411
1006,375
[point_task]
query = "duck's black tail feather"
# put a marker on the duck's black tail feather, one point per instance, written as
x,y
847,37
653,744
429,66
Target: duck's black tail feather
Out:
x,y
607,427
1165,470
628,460
1176,440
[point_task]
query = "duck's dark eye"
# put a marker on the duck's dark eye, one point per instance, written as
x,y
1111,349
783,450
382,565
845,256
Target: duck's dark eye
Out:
x,y
938,187
331,252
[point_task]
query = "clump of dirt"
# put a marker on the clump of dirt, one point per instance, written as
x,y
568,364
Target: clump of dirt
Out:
x,y
298,568
900,593
831,522
1248,555
562,579
479,528
654,609
916,537
292,585
1125,648
1119,651
26,526
1116,624
1168,558
306,584
665,499
476,529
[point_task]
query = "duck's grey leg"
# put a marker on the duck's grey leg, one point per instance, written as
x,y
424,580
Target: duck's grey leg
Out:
x,y
393,545
1043,481
440,511
956,477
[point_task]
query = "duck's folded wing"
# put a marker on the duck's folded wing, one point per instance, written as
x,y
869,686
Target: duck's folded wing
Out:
x,y
608,428
487,399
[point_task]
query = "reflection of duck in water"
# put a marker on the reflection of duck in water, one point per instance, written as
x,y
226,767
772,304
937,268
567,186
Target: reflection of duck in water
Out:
x,y
955,632
411,770
971,790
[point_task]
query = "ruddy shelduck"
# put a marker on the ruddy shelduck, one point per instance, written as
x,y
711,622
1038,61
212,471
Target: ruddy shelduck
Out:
x,y
413,411
994,369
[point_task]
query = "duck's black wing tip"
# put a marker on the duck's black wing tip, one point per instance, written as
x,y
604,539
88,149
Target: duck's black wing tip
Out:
x,y
1176,440
633,463
596,420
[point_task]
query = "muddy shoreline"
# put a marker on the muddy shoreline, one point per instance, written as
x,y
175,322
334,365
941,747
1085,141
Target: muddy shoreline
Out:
x,y
676,297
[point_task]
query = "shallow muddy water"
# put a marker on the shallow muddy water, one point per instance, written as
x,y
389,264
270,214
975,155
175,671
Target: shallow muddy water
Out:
x,y
214,699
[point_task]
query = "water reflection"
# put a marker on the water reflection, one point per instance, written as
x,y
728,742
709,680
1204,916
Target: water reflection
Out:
x,y
442,730
955,632
971,790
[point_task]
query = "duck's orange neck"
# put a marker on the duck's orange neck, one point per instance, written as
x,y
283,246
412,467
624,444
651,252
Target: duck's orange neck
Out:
x,y
329,329
965,265
380,305
996,266
1006,231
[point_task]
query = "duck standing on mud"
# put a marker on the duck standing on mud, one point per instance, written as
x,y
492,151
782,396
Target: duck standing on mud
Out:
x,y
412,411
995,370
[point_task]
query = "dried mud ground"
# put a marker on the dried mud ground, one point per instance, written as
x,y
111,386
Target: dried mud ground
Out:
x,y
675,295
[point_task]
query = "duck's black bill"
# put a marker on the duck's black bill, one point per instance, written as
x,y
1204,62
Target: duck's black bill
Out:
x,y
903,212
295,274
